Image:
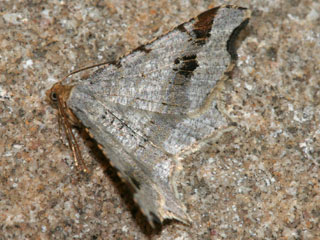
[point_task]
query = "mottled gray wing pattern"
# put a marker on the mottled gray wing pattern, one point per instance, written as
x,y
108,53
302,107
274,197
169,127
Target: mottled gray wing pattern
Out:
x,y
157,101
177,72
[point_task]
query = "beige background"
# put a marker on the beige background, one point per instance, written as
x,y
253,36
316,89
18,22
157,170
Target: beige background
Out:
x,y
260,181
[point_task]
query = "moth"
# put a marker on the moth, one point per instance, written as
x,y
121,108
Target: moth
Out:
x,y
150,106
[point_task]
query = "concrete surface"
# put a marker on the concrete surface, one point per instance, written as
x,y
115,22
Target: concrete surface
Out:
x,y
259,181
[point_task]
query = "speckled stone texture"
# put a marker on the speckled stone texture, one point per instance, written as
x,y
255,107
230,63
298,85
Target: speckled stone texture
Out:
x,y
258,181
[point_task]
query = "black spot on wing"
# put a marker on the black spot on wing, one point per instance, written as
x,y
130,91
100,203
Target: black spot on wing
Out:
x,y
189,63
184,67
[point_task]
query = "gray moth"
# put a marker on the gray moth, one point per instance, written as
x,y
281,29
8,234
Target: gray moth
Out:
x,y
152,105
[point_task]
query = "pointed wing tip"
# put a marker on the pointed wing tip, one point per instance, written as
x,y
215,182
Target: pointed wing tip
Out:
x,y
158,220
178,214
185,219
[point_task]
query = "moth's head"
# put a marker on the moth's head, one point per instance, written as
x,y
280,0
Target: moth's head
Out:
x,y
58,93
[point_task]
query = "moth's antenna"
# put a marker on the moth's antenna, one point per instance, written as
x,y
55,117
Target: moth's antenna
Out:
x,y
83,69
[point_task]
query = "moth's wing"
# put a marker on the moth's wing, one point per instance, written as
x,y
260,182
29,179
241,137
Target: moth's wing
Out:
x,y
157,101
144,165
177,72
